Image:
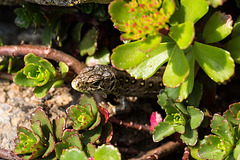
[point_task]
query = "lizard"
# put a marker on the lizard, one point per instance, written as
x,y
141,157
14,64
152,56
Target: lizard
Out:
x,y
105,79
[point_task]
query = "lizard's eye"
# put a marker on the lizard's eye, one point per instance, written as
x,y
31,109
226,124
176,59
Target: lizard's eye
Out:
x,y
96,83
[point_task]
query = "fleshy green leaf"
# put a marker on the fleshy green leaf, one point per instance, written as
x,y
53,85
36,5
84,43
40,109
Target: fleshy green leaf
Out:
x,y
180,93
41,91
236,151
74,140
184,13
48,66
31,58
214,148
90,150
59,126
73,154
225,131
233,47
88,99
162,130
36,127
22,80
88,44
183,34
216,62
47,35
90,136
67,133
39,115
24,17
128,55
217,27
51,146
233,113
195,97
115,8
196,116
100,57
236,28
177,68
59,148
64,69
190,137
152,62
107,152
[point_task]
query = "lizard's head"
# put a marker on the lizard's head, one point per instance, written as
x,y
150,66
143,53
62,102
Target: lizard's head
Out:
x,y
95,79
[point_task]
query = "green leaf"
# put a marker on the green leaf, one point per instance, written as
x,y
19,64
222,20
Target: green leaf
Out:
x,y
211,150
22,80
36,127
196,116
218,27
216,62
73,154
150,43
40,115
180,93
152,62
58,127
177,69
236,151
24,17
59,148
88,99
31,58
88,44
162,98
184,13
225,131
64,69
236,28
183,34
128,55
117,7
51,146
48,66
90,150
195,97
47,35
74,140
162,130
233,47
101,56
216,120
91,136
76,32
41,91
233,113
67,133
107,152
190,137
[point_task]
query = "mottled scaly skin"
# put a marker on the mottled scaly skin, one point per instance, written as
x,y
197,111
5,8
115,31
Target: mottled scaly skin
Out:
x,y
68,2
107,80
54,2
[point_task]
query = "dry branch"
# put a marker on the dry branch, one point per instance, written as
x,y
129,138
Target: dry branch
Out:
x,y
44,52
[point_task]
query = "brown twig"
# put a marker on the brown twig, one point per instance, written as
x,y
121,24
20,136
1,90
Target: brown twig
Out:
x,y
159,152
7,154
130,124
44,52
6,76
186,153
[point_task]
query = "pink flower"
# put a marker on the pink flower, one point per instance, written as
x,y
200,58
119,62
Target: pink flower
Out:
x,y
155,119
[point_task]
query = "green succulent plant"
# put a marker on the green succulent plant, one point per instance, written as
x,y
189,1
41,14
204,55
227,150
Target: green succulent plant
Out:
x,y
39,73
54,141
